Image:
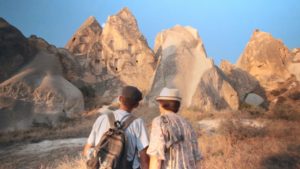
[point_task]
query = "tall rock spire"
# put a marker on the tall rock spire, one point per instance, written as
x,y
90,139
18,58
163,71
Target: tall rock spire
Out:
x,y
265,58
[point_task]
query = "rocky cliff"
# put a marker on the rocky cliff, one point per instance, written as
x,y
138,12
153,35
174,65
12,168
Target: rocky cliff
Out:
x,y
15,50
266,59
112,57
183,63
35,90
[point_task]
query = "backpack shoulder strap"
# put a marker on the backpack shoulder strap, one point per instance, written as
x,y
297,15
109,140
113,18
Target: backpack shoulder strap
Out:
x,y
111,119
128,121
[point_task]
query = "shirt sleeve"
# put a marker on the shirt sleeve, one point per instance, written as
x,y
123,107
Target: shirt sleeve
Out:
x,y
142,139
157,144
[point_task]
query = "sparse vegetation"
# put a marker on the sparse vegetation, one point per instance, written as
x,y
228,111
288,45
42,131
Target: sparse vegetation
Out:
x,y
252,111
277,146
234,145
78,127
235,130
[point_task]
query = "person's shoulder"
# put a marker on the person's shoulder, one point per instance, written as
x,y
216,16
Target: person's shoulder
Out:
x,y
100,119
157,120
138,121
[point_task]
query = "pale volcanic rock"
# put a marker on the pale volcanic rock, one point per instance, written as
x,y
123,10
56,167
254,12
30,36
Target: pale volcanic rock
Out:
x,y
241,81
214,92
86,47
37,92
266,59
126,53
181,63
294,63
110,58
48,96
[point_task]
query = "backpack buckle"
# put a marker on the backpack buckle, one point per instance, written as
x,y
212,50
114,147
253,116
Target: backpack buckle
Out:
x,y
118,124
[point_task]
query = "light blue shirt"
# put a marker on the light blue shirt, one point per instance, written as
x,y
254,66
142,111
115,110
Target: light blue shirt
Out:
x,y
136,134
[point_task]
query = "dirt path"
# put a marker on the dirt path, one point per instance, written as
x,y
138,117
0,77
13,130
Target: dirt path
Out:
x,y
37,155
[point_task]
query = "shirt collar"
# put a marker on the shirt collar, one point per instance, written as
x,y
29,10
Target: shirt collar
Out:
x,y
122,111
167,112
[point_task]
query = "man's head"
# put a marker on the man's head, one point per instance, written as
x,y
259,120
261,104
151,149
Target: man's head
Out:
x,y
130,97
170,105
169,99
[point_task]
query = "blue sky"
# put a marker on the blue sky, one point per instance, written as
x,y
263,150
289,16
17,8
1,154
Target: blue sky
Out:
x,y
224,26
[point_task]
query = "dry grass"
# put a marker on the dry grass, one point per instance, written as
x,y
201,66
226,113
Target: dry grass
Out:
x,y
278,148
67,163
234,146
78,127
77,163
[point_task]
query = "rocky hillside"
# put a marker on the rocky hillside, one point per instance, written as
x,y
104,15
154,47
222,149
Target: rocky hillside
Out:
x,y
40,83
34,89
183,64
15,50
266,59
112,57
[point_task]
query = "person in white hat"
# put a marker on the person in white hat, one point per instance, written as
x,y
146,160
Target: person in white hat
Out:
x,y
173,141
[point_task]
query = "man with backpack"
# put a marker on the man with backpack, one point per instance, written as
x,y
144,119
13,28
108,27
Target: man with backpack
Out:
x,y
118,140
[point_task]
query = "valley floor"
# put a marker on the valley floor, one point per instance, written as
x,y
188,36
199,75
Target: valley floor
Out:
x,y
226,141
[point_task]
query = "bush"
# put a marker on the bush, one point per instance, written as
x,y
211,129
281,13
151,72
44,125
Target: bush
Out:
x,y
295,96
238,131
285,112
252,111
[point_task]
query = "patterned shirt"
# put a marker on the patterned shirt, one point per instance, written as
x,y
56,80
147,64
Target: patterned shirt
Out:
x,y
183,154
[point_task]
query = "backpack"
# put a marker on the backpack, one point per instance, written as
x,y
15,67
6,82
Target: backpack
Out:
x,y
111,151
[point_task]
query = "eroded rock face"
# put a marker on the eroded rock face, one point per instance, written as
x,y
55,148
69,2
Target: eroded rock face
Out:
x,y
38,91
85,45
242,81
265,58
181,63
15,50
125,51
294,63
214,92
111,57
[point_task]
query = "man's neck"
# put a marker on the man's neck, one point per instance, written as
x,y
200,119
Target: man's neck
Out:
x,y
125,109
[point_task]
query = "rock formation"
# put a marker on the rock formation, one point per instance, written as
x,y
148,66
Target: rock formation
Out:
x,y
113,57
15,50
242,81
37,92
294,63
214,92
266,59
183,64
125,51
86,48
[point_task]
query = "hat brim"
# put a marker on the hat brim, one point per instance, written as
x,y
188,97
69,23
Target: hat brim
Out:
x,y
168,98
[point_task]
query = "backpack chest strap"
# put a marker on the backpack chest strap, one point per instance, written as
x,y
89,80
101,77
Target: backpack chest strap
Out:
x,y
125,124
111,119
128,121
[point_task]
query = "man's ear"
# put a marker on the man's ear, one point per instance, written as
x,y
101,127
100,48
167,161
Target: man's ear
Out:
x,y
121,99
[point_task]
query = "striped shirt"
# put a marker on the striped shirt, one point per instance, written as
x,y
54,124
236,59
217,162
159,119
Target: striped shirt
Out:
x,y
181,155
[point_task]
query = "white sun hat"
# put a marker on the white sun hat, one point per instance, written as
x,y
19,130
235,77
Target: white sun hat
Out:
x,y
169,94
